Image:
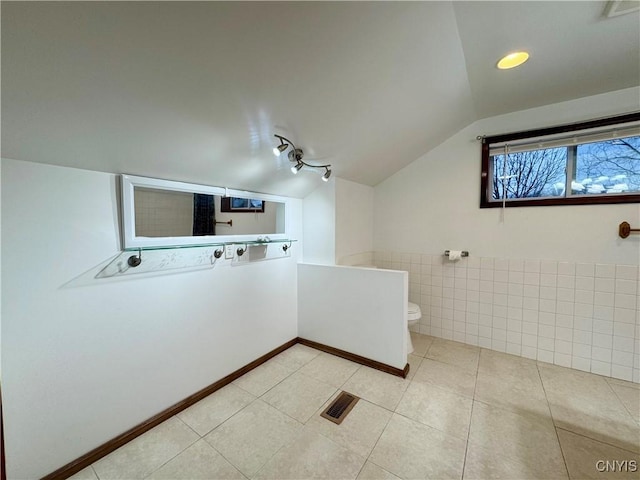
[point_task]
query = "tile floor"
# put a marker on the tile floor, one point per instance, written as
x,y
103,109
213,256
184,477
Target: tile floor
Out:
x,y
464,412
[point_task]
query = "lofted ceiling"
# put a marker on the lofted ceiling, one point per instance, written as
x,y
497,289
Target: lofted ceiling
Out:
x,y
194,91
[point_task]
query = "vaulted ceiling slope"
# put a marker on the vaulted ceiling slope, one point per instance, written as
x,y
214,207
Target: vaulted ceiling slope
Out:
x,y
194,91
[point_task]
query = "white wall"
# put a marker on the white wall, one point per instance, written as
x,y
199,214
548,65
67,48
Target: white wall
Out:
x,y
354,219
554,283
319,224
433,204
360,310
82,364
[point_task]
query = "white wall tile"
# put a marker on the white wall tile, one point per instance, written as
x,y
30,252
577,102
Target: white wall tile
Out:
x,y
602,312
605,270
625,301
603,326
529,340
583,323
604,285
604,299
549,266
562,359
585,269
583,337
548,280
623,344
623,373
622,358
501,264
501,276
547,331
628,287
627,272
582,315
584,296
602,340
566,281
566,268
582,351
601,368
585,283
532,266
545,355
583,364
601,354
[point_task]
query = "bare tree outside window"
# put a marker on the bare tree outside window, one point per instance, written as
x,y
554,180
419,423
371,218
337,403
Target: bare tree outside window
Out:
x,y
612,166
537,173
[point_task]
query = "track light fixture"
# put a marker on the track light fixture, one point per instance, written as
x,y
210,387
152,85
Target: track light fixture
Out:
x,y
296,155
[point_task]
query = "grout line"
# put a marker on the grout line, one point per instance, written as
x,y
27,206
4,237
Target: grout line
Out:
x,y
635,420
553,422
94,471
597,440
473,401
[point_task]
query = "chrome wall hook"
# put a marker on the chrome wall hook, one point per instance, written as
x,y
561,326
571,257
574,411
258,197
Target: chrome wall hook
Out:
x,y
134,261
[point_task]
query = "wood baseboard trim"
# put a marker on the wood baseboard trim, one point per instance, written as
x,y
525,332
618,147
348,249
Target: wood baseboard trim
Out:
x,y
106,448
356,358
97,453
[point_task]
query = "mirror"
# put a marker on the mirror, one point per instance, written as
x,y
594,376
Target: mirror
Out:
x,y
164,213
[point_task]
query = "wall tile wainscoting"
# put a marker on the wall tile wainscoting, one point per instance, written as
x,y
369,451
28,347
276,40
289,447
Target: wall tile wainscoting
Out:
x,y
580,315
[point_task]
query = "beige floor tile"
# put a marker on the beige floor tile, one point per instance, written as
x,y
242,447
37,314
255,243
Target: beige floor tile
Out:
x,y
299,396
505,366
371,471
84,474
446,376
377,387
516,394
297,356
312,456
359,431
253,435
489,463
439,408
454,353
263,378
410,449
211,411
523,439
198,462
414,363
623,383
630,398
421,343
584,403
330,369
582,454
146,453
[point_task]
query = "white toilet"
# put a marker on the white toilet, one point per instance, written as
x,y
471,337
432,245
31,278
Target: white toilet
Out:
x,y
413,315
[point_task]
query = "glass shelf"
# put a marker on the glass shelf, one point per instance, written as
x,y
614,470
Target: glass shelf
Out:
x,y
193,257
203,245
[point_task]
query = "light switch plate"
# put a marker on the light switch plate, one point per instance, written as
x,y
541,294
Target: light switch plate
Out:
x,y
228,251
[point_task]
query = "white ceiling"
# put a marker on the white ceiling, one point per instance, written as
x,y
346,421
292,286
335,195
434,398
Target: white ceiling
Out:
x,y
195,91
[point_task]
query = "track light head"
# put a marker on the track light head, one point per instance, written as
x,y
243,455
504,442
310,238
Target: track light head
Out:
x,y
296,168
280,148
326,175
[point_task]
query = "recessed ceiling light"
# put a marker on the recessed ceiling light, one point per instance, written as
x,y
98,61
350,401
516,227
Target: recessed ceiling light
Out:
x,y
512,60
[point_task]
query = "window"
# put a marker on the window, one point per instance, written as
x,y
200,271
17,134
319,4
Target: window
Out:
x,y
589,162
